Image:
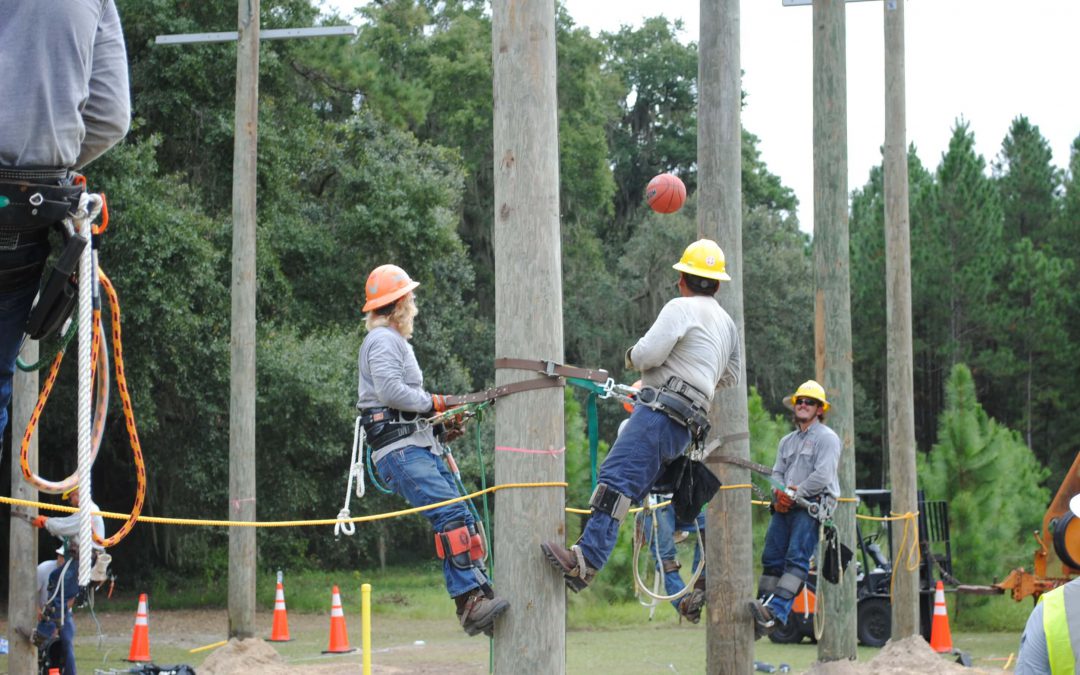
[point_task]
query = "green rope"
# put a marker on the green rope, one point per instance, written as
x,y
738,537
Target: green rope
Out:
x,y
483,485
64,340
594,437
371,472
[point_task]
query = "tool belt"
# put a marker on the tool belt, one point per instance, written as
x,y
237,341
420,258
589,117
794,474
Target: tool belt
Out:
x,y
32,202
384,426
681,402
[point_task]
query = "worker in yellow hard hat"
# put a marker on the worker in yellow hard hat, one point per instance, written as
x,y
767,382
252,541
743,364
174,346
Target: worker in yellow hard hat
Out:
x,y
806,462
692,349
407,451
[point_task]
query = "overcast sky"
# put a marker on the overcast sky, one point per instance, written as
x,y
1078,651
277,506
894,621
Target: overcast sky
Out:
x,y
986,61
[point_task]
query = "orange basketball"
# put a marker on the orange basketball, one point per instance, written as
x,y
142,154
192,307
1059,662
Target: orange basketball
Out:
x,y
665,193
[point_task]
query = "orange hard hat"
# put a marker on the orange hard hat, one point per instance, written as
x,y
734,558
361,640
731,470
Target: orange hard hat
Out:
x,y
629,407
385,284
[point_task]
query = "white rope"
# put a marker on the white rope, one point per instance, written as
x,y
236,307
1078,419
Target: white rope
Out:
x,y
356,469
89,207
640,585
644,600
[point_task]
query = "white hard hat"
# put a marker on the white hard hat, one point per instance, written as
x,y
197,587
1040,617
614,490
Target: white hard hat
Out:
x,y
60,551
1074,505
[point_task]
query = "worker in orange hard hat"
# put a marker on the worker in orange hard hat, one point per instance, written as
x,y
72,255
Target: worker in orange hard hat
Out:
x,y
806,460
407,451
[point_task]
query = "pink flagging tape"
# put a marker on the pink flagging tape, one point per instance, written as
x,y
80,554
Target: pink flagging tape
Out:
x,y
527,451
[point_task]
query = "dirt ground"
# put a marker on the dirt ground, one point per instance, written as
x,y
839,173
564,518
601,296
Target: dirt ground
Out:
x,y
424,646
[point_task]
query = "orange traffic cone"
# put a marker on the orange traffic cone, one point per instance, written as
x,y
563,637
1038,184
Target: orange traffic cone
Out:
x,y
339,639
140,637
279,631
940,635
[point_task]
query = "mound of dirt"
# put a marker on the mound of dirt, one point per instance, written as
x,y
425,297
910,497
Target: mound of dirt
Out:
x,y
241,657
910,656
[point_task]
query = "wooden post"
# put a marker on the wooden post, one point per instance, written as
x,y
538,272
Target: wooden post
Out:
x,y
530,444
23,538
242,371
901,407
729,556
832,320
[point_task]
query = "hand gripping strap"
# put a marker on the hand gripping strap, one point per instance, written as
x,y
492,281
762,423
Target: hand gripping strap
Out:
x,y
607,500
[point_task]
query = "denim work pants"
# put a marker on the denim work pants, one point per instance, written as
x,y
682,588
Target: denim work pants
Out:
x,y
422,478
14,310
648,441
665,540
790,542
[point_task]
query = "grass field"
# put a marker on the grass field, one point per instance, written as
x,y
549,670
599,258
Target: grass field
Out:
x,y
414,629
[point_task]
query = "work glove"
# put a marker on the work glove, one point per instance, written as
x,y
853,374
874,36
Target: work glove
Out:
x,y
782,502
627,361
453,428
438,403
39,521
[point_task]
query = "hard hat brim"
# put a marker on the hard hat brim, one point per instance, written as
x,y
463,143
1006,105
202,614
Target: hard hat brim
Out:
x,y
385,300
708,274
1074,505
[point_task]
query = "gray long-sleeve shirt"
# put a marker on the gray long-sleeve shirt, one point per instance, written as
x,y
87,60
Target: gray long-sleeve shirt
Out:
x,y
68,526
692,338
808,460
66,98
390,377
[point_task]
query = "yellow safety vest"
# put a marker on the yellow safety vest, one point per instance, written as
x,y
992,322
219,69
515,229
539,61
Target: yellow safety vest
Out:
x,y
1061,623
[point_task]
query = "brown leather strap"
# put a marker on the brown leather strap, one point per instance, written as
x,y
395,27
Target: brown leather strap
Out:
x,y
552,369
506,389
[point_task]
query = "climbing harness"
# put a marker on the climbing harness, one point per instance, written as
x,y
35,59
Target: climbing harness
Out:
x,y
681,402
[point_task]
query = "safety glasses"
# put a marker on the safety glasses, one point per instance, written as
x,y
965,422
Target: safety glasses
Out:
x,y
807,401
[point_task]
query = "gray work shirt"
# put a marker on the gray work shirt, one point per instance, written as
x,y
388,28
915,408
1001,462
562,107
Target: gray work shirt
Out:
x,y
67,527
693,338
390,377
808,460
66,98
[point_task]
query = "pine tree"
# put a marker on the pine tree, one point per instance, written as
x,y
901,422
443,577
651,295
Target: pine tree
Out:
x,y
1028,183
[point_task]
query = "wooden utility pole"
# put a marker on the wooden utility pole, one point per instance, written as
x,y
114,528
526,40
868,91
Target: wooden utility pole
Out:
x,y
529,438
901,406
23,538
730,633
242,371
242,557
832,316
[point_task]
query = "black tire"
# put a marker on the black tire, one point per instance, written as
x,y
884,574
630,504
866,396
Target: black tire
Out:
x,y
787,634
874,622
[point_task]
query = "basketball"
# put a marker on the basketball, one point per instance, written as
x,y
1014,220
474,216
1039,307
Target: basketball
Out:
x,y
665,193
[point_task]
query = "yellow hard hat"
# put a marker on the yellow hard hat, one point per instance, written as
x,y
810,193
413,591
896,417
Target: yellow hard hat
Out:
x,y
704,258
808,389
386,284
67,493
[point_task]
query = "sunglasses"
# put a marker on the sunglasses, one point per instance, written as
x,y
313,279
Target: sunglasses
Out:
x,y
807,401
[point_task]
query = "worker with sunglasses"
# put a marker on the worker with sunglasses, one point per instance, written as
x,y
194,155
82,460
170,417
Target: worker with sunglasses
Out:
x,y
806,462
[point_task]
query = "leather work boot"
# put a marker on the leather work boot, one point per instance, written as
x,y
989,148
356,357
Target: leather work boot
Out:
x,y
575,569
691,603
477,612
764,622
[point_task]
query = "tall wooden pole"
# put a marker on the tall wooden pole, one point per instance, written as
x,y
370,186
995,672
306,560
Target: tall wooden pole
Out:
x,y
901,406
242,371
832,317
23,538
728,553
530,444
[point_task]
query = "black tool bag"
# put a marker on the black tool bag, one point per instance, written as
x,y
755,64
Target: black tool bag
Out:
x,y
836,556
691,485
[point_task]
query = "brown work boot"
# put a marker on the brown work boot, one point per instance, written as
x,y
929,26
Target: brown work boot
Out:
x,y
575,569
477,612
764,621
691,603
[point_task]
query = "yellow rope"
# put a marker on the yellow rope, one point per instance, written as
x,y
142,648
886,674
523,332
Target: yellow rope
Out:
x,y
912,553
281,523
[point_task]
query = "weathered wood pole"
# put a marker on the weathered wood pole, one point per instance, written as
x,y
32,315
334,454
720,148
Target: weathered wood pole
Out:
x,y
242,369
901,406
23,538
529,438
729,552
832,316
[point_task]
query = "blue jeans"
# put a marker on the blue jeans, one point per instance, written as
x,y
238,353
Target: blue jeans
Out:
x,y
648,442
14,309
790,542
60,604
665,538
422,478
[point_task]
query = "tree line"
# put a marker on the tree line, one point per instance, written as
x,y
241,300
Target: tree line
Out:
x,y
379,149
